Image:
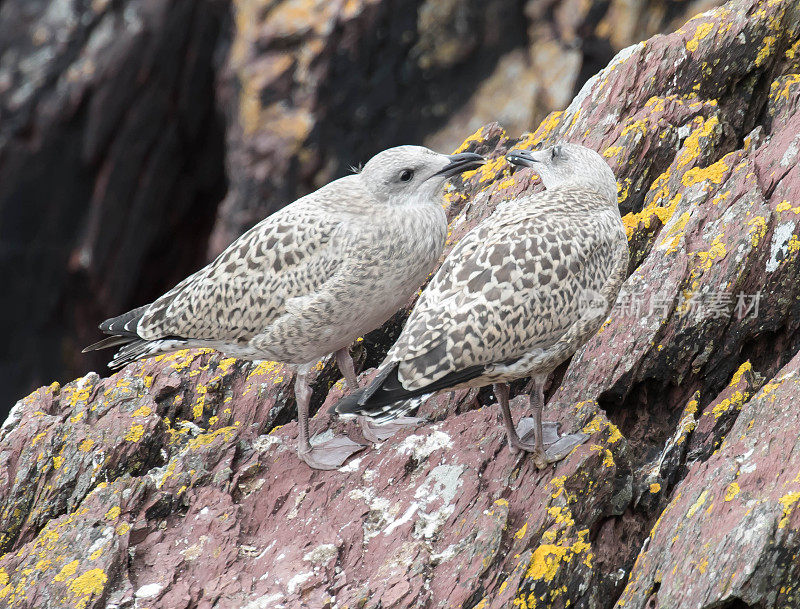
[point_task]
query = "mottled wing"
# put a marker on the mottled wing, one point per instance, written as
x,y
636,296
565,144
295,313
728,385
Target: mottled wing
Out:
x,y
287,255
514,284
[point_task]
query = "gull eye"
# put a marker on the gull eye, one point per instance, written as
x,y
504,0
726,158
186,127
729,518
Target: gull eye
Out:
x,y
406,175
556,152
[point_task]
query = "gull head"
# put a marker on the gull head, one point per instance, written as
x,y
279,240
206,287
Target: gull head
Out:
x,y
568,165
413,174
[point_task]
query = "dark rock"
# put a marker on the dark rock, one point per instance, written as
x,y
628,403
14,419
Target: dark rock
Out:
x,y
111,167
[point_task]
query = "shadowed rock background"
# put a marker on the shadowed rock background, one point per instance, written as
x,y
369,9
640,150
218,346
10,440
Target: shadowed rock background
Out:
x,y
138,138
174,483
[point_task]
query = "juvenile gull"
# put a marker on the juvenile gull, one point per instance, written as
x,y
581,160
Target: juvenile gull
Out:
x,y
515,298
309,279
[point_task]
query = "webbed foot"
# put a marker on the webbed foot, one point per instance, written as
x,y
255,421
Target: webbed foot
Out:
x,y
329,454
378,433
555,447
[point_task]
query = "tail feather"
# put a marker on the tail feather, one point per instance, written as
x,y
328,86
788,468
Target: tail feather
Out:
x,y
107,343
125,324
386,398
139,349
123,333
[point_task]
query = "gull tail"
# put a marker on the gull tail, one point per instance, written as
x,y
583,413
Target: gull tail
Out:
x,y
107,343
140,349
385,398
123,334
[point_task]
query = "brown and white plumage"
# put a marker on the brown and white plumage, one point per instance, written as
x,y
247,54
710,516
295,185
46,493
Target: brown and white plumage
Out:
x,y
517,295
311,278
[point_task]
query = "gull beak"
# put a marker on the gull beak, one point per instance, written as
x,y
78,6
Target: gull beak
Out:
x,y
523,158
459,163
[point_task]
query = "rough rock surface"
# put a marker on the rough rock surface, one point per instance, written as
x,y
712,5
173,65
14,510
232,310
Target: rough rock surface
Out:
x,y
174,484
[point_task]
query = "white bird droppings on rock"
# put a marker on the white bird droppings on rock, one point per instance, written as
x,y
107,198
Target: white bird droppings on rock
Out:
x,y
422,446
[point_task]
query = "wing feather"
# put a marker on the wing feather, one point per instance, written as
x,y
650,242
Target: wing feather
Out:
x,y
512,288
287,256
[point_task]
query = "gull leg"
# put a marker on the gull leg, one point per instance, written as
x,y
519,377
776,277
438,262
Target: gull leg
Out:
x,y
372,431
515,444
345,363
545,435
330,454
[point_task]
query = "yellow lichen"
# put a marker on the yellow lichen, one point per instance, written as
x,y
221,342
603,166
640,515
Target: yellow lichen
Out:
x,y
765,49
713,173
788,501
732,490
655,487
737,376
112,513
546,127
475,137
639,126
491,169
653,211
205,439
736,400
703,30
758,228
86,445
547,558
615,435
691,147
135,433
87,585
608,458
67,571
716,252
697,504
143,411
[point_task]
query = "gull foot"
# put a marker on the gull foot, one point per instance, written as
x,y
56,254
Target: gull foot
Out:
x,y
561,448
538,455
378,433
330,454
555,447
549,431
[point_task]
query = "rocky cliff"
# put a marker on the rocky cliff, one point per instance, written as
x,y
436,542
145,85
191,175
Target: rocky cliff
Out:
x,y
137,138
174,483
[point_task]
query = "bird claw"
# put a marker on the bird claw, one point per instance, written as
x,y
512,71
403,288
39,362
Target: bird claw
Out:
x,y
539,456
330,454
378,433
556,447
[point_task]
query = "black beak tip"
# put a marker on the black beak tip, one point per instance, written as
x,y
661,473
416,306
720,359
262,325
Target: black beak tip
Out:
x,y
463,161
520,158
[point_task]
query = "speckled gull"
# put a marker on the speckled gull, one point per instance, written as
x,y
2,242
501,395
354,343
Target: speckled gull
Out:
x,y
515,298
309,279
